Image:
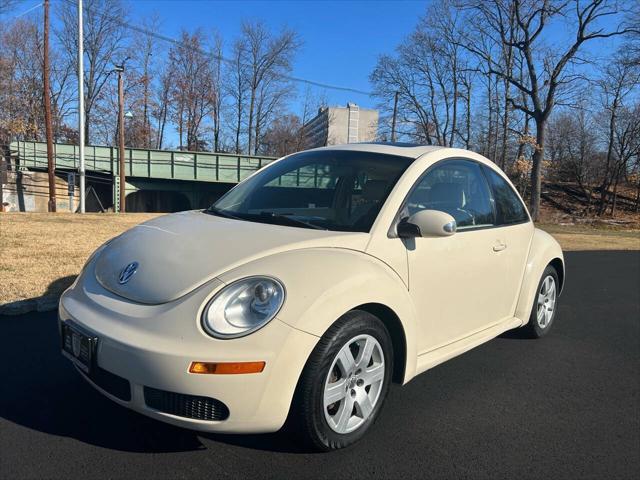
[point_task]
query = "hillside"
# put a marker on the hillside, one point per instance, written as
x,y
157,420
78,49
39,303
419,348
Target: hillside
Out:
x,y
566,203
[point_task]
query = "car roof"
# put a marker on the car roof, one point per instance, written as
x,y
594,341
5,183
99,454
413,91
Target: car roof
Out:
x,y
411,150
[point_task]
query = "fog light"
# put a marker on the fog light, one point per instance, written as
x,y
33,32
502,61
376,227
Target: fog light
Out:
x,y
232,368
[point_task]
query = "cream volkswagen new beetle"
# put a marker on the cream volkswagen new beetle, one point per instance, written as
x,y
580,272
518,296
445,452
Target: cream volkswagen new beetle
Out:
x,y
309,288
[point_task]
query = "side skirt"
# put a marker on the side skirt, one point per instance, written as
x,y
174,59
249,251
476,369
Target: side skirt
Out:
x,y
442,354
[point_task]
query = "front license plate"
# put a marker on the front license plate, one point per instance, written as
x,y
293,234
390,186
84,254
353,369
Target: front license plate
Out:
x,y
78,345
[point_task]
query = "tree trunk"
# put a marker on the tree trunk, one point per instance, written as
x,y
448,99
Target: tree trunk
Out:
x,y
505,127
252,102
487,145
87,115
615,195
536,169
454,119
525,132
606,181
468,120
238,127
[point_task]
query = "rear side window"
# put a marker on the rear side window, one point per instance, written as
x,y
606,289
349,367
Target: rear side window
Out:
x,y
509,208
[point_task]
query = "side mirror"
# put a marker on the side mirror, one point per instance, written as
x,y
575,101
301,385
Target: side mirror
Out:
x,y
427,223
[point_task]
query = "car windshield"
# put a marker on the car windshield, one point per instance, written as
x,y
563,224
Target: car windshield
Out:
x,y
325,189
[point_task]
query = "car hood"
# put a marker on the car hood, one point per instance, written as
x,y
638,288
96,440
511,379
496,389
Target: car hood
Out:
x,y
177,253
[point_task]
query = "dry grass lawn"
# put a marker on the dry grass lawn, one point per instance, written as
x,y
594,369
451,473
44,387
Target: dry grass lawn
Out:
x,y
584,237
41,253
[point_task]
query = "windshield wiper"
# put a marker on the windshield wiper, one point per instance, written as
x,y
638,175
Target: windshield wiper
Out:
x,y
294,222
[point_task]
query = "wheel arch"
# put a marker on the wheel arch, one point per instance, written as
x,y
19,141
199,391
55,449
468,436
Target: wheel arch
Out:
x,y
398,336
333,282
558,264
544,251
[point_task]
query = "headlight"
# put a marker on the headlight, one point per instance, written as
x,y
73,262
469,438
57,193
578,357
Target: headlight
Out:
x,y
243,307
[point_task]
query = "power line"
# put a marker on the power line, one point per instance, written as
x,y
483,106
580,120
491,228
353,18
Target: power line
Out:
x,y
26,11
221,58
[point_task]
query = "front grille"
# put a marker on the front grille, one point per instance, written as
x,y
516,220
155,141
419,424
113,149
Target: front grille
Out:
x,y
111,383
188,406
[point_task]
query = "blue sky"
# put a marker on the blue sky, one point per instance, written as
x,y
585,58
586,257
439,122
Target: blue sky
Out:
x,y
341,39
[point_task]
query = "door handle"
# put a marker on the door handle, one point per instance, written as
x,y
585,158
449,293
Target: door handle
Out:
x,y
498,247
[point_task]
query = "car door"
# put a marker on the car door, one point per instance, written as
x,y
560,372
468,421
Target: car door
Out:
x,y
457,283
517,228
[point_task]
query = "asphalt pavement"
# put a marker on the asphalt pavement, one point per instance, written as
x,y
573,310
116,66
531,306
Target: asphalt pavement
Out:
x,y
566,406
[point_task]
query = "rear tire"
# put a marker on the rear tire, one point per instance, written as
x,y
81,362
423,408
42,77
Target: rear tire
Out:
x,y
545,305
344,383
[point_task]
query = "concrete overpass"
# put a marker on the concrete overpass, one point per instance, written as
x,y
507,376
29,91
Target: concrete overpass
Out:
x,y
156,180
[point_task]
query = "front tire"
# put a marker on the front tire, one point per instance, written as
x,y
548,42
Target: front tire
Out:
x,y
345,382
545,305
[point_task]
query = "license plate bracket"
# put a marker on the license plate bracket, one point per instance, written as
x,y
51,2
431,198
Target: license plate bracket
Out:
x,y
78,345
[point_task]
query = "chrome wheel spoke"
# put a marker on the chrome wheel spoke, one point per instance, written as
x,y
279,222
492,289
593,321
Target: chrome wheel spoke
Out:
x,y
364,407
373,374
335,392
346,360
364,357
344,414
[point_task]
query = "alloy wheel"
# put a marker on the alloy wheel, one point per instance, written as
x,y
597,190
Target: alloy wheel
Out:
x,y
353,385
546,302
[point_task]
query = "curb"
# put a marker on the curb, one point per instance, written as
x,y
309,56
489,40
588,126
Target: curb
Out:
x,y
46,303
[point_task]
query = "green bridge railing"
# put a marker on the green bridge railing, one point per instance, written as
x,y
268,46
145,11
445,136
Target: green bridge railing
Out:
x,y
161,164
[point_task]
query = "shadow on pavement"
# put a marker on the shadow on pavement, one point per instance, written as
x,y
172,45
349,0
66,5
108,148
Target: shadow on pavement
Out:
x,y
42,391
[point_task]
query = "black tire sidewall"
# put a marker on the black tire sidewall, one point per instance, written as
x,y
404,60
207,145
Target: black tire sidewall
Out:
x,y
534,328
349,326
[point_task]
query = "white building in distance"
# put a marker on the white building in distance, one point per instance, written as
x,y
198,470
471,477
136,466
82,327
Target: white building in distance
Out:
x,y
339,125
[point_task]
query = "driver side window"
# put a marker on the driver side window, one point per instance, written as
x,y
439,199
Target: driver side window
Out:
x,y
457,187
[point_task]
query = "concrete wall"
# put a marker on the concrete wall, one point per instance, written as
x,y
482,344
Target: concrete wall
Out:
x,y
27,191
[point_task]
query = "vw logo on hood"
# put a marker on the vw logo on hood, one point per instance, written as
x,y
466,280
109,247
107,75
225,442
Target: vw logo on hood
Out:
x,y
127,272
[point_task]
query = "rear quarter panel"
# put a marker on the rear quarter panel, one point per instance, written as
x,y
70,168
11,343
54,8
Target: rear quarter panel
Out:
x,y
544,249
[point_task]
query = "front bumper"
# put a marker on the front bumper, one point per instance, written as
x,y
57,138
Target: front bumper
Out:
x,y
152,346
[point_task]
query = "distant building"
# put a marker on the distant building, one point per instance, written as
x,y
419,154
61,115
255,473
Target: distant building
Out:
x,y
338,125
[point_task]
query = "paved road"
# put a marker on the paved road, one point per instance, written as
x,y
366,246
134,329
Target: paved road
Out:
x,y
563,407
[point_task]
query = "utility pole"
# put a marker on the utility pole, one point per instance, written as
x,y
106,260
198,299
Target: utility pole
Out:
x,y
121,168
395,114
81,166
47,112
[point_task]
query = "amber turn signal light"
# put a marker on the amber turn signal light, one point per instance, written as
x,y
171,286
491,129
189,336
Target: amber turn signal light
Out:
x,y
232,368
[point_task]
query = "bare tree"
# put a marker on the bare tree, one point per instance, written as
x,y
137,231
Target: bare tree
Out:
x,y
193,89
573,150
282,136
267,59
21,112
428,73
144,53
548,69
626,147
219,92
160,113
620,78
237,90
104,45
